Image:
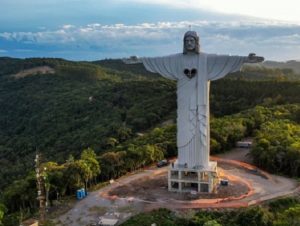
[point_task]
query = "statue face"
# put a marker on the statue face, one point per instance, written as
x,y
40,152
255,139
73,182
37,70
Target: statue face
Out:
x,y
190,44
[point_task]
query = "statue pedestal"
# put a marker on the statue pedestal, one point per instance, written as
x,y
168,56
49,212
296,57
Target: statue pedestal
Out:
x,y
183,179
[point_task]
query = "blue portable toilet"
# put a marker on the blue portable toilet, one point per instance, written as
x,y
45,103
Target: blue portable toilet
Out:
x,y
79,194
83,192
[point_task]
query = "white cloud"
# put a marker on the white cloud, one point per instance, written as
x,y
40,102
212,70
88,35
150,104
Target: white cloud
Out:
x,y
287,10
287,40
164,38
68,26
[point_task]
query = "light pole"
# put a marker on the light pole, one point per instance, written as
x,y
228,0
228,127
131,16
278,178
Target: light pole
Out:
x,y
41,190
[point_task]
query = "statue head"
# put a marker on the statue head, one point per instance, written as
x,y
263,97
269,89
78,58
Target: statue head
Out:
x,y
191,42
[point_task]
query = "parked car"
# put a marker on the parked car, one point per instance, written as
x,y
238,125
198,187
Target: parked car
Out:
x,y
162,163
224,182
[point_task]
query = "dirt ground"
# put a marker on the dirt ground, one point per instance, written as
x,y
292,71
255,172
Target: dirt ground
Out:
x,y
34,71
239,154
155,188
146,190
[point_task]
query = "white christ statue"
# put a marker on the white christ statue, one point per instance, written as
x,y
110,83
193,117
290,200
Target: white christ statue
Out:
x,y
193,70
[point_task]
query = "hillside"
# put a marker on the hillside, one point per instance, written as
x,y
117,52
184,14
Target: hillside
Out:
x,y
266,71
292,64
61,108
271,70
34,71
84,104
79,106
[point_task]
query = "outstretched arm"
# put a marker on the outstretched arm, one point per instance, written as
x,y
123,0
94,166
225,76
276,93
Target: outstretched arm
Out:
x,y
132,60
165,66
220,65
252,58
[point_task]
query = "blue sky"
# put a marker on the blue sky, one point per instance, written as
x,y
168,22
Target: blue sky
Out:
x,y
98,29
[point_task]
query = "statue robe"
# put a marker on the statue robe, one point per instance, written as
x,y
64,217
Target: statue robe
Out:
x,y
193,99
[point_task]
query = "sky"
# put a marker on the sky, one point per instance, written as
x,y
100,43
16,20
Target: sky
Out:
x,y
99,29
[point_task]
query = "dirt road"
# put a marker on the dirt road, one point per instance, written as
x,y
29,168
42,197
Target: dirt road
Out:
x,y
262,186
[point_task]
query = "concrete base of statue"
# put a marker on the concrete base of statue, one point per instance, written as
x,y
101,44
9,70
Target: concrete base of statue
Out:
x,y
197,179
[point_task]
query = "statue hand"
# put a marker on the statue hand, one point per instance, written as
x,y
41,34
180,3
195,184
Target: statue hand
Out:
x,y
252,58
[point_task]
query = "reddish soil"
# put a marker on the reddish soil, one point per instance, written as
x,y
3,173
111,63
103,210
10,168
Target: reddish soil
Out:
x,y
155,188
34,71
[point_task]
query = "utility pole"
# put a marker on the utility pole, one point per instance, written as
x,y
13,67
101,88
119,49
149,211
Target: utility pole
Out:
x,y
41,189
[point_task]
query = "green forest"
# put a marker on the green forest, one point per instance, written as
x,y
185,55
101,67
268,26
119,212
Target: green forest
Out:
x,y
281,212
93,121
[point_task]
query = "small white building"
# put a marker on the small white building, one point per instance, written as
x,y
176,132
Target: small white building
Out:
x,y
244,144
103,221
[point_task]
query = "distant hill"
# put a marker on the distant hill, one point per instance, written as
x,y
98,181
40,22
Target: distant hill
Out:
x,y
83,104
292,64
73,106
117,64
289,70
254,72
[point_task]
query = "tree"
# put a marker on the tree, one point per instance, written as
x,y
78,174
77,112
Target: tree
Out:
x,y
54,180
21,194
2,212
290,217
112,164
124,133
89,157
85,172
212,223
255,216
151,153
112,142
73,176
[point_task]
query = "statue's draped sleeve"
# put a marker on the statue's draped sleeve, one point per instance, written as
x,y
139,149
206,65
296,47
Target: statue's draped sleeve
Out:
x,y
167,66
220,65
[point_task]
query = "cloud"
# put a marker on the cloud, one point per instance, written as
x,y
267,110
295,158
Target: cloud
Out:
x,y
68,26
146,31
269,9
119,40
